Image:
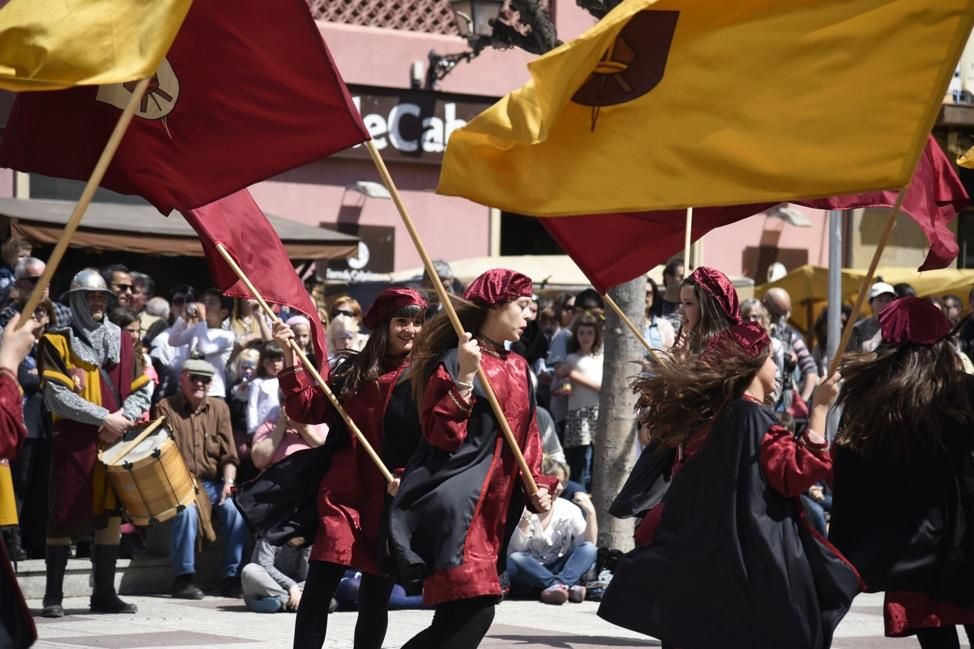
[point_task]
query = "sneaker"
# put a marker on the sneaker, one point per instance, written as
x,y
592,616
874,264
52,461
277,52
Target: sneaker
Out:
x,y
576,594
230,587
556,594
183,588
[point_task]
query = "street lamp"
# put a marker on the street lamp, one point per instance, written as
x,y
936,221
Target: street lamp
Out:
x,y
473,17
474,20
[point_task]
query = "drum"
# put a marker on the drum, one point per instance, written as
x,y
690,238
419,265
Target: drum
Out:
x,y
149,475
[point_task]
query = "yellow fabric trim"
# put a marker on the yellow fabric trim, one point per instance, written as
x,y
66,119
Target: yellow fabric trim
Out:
x,y
139,382
58,377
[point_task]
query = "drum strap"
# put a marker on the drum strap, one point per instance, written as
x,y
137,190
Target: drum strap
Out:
x,y
107,379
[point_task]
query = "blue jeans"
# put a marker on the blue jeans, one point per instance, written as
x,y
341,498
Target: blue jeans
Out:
x,y
580,464
525,570
183,534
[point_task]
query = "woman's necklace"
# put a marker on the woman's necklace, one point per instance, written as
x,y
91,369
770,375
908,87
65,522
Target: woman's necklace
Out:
x,y
490,347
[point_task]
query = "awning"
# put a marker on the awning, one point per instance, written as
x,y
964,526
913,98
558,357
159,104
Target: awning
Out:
x,y
808,287
141,229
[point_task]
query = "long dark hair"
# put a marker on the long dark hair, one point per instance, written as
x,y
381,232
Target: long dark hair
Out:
x,y
712,322
439,336
917,388
354,369
679,393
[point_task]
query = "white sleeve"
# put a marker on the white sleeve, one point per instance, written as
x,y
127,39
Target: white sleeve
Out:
x,y
576,523
253,399
183,334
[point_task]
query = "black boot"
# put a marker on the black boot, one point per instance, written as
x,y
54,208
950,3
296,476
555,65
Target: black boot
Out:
x,y
57,561
104,599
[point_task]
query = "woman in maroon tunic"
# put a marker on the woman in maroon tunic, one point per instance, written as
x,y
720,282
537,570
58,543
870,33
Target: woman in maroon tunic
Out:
x,y
460,496
352,492
16,624
732,562
903,487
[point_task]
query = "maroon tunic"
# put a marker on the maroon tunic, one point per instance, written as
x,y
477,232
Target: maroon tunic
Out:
x,y
352,492
444,418
789,466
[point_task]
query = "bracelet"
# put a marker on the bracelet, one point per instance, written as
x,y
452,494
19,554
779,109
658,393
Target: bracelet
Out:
x,y
462,385
229,483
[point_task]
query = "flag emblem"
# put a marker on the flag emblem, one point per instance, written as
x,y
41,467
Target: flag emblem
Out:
x,y
634,63
159,98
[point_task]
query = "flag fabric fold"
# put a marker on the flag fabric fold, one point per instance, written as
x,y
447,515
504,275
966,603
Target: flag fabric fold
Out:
x,y
55,44
666,104
239,224
615,248
967,159
247,91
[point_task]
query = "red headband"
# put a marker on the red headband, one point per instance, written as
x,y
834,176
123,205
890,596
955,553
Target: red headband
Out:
x,y
499,286
716,284
750,338
388,302
913,320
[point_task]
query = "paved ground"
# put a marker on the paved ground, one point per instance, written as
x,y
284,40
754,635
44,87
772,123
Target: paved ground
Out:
x,y
216,622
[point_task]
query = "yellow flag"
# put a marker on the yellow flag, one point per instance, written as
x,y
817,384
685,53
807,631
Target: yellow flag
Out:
x,y
55,44
967,160
674,103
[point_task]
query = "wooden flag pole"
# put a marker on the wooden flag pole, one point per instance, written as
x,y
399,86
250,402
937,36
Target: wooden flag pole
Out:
x,y
632,327
308,365
867,281
530,486
79,210
688,241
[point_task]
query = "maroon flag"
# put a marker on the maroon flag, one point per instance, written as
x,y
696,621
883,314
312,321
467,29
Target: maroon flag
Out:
x,y
615,248
239,224
248,90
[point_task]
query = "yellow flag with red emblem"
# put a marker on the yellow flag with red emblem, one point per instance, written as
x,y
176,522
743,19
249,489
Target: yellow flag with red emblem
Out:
x,y
55,44
967,160
667,104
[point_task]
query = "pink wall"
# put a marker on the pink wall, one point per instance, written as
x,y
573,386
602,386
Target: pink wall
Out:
x,y
451,228
724,248
6,183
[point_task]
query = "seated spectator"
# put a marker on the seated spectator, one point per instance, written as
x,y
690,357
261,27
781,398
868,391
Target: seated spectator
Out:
x,y
263,389
202,329
274,578
26,274
551,552
12,251
347,594
279,436
200,427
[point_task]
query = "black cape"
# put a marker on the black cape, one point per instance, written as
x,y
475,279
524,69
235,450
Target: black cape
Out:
x,y
282,502
732,564
647,484
907,523
432,511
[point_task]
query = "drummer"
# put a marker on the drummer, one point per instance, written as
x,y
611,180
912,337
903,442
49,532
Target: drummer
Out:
x,y
95,392
201,428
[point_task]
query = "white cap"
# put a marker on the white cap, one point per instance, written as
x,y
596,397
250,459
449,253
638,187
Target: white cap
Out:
x,y
880,288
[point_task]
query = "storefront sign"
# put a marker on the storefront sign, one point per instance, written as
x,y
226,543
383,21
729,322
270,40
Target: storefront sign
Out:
x,y
413,124
375,258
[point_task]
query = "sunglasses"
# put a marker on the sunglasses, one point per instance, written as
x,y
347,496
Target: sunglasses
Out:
x,y
123,288
178,300
342,312
200,378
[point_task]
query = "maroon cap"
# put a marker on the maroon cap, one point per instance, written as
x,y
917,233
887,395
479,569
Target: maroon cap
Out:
x,y
389,301
716,284
913,320
499,286
750,338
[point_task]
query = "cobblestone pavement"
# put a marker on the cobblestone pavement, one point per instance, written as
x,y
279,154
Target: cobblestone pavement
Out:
x,y
216,622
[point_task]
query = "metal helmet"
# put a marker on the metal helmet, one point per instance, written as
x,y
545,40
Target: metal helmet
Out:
x,y
88,280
